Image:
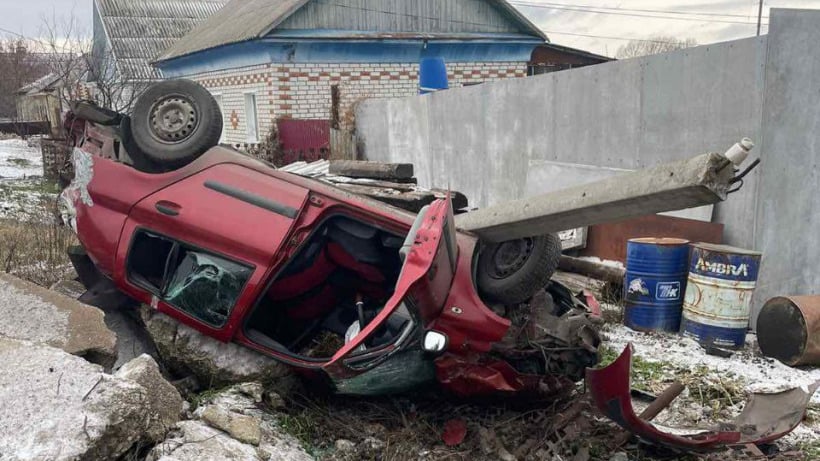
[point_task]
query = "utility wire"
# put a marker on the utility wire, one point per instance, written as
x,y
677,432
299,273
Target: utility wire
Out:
x,y
536,4
614,13
627,39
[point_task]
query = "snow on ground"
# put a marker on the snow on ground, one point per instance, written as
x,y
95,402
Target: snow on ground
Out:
x,y
746,368
22,188
756,373
18,160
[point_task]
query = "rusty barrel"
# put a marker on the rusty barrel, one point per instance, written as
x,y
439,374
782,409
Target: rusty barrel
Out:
x,y
655,282
788,329
719,292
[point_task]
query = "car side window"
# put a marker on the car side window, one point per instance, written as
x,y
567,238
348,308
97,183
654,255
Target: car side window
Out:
x,y
201,284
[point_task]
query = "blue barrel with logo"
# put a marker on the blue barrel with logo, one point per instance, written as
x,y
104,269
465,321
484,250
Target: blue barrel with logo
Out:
x,y
432,75
718,297
656,270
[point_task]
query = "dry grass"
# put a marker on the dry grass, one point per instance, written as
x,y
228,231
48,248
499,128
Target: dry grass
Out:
x,y
33,246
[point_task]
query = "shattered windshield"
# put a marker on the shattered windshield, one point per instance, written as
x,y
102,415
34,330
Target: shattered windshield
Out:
x,y
206,286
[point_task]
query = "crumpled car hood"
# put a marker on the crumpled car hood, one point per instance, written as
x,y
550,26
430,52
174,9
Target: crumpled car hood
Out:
x,y
765,418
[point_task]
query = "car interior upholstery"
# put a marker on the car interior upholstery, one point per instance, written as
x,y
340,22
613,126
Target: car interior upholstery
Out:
x,y
312,303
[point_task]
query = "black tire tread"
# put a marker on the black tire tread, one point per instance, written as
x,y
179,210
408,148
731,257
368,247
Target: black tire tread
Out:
x,y
533,276
207,133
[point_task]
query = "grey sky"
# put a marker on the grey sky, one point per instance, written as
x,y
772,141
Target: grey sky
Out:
x,y
616,18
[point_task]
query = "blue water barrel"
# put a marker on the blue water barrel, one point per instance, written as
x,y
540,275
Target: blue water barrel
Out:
x,y
718,297
656,270
432,75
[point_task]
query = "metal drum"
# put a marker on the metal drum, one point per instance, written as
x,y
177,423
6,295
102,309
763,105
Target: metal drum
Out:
x,y
788,329
656,271
719,294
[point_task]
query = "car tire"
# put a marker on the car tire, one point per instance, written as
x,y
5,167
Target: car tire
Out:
x,y
512,272
175,121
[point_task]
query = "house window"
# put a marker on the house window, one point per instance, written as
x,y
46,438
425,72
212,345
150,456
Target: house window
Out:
x,y
251,118
218,98
201,284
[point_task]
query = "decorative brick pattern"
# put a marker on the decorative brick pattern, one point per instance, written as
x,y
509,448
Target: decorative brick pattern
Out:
x,y
303,91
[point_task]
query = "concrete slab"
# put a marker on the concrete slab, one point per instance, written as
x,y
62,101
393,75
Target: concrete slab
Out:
x,y
33,313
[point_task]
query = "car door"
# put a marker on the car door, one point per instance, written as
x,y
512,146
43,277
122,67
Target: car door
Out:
x,y
430,253
225,221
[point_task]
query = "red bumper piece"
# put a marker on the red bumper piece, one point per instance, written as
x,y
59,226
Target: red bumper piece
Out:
x,y
765,418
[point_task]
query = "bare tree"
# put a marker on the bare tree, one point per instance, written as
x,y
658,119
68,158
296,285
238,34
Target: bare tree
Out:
x,y
653,45
20,66
87,70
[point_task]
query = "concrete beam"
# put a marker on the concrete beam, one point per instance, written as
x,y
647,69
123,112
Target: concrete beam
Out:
x,y
701,180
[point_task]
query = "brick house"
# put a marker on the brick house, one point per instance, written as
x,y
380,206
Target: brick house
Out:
x,y
310,60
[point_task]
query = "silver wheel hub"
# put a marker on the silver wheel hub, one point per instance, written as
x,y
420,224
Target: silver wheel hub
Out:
x,y
173,119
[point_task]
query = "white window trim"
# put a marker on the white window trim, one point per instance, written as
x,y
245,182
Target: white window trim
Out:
x,y
251,139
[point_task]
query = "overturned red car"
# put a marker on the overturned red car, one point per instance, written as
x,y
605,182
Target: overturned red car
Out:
x,y
369,297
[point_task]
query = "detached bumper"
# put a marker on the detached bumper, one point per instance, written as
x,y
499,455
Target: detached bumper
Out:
x,y
765,418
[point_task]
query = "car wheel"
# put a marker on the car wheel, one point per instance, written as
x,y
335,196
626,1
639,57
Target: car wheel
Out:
x,y
512,272
176,121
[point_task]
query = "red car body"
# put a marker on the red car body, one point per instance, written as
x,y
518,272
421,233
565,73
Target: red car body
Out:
x,y
234,207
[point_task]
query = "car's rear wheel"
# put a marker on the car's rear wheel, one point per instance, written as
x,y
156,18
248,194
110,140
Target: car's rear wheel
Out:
x,y
512,272
176,121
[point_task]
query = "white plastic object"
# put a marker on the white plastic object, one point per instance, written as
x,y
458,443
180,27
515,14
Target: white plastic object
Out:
x,y
738,153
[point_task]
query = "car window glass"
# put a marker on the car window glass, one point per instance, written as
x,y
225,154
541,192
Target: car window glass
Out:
x,y
147,260
205,286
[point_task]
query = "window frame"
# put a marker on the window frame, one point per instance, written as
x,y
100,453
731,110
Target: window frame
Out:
x,y
251,107
175,248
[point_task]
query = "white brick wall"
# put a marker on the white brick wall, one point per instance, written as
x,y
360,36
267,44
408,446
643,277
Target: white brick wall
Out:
x,y
303,91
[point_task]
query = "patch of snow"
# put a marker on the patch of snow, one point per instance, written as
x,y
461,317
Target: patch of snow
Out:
x,y
30,317
18,160
756,373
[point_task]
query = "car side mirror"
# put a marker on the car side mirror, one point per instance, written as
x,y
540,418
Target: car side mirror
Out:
x,y
435,342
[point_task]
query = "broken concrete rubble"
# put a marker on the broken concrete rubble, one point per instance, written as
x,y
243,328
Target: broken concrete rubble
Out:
x,y
230,425
32,313
162,396
57,406
701,180
215,364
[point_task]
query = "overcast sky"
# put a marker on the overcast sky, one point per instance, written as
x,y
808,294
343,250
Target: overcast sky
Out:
x,y
613,22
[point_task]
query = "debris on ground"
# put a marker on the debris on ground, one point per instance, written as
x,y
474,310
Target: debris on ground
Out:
x,y
231,424
393,184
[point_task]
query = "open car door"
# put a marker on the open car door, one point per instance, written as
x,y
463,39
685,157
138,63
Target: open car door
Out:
x,y
429,257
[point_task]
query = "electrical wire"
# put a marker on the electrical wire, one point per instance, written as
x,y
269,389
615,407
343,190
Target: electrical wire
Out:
x,y
649,16
626,39
536,4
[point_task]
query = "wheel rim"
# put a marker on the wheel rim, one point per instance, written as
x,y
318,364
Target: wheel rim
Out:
x,y
173,119
509,257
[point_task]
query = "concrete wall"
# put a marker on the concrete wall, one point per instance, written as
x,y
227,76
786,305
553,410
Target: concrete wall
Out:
x,y
503,140
509,139
788,212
